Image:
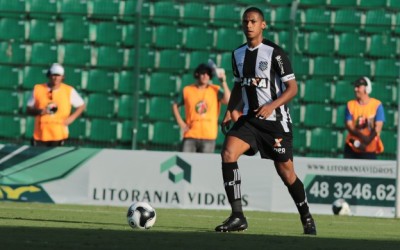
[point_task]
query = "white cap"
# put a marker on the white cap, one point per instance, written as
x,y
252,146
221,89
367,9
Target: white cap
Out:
x,y
56,69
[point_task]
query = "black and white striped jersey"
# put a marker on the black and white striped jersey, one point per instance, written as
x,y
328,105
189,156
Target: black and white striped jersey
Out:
x,y
261,72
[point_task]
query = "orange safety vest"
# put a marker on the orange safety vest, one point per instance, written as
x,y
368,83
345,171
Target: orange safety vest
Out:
x,y
50,127
202,109
364,119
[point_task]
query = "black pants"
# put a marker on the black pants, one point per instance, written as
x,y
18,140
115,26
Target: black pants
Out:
x,y
36,143
350,154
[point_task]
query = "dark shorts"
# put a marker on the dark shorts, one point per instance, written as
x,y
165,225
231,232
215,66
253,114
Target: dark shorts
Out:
x,y
273,139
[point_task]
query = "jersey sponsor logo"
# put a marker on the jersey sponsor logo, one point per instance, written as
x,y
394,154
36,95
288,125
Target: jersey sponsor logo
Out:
x,y
263,65
201,107
278,146
280,63
258,82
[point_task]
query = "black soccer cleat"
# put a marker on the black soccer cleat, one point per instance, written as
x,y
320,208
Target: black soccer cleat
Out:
x,y
309,225
232,224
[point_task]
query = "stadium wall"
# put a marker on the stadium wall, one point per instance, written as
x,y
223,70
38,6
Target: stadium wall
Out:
x,y
73,175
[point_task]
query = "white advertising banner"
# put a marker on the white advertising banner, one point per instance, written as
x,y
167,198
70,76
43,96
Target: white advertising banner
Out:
x,y
189,180
184,180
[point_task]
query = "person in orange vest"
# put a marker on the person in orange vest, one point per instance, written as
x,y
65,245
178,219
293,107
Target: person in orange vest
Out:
x,y
364,117
51,103
202,102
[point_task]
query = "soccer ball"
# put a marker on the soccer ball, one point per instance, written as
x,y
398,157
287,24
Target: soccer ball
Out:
x,y
341,207
141,215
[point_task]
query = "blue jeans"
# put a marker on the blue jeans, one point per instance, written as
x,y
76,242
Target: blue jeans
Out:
x,y
198,145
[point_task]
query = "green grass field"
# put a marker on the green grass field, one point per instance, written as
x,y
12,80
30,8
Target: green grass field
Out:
x,y
48,226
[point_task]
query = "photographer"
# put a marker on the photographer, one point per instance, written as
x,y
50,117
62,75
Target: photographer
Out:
x,y
51,103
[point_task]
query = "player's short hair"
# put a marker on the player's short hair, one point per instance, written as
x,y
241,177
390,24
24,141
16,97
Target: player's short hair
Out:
x,y
254,9
201,69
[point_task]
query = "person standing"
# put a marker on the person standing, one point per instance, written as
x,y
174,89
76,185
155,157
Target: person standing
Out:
x,y
364,117
265,83
202,102
51,103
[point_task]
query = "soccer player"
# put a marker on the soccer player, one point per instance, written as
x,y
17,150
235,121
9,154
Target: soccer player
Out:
x,y
265,83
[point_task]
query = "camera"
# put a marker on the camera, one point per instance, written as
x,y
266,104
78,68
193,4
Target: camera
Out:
x,y
51,108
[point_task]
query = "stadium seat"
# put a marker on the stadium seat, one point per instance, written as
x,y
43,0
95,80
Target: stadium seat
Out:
x,y
166,12
171,60
301,66
33,75
394,5
226,15
347,20
162,84
386,93
344,91
104,9
343,3
387,68
107,33
147,58
200,56
12,29
73,7
168,37
44,9
397,24
318,115
103,130
225,61
382,45
323,140
279,2
372,4
308,3
228,39
281,20
12,8
389,139
100,105
29,127
251,2
76,54
129,35
299,140
11,102
9,77
12,53
160,109
77,130
390,118
75,29
187,79
316,19
339,116
326,67
129,11
110,56
101,81
125,107
11,126
316,91
43,54
197,14
352,44
142,136
199,38
377,20
354,67
296,113
74,76
126,82
165,133
321,43
41,30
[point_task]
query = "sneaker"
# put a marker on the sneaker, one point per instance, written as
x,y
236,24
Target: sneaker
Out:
x,y
309,225
233,223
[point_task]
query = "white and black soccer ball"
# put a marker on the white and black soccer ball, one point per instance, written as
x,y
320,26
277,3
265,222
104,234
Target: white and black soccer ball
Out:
x,y
141,215
341,207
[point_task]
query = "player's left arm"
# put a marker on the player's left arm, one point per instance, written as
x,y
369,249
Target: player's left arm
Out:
x,y
79,105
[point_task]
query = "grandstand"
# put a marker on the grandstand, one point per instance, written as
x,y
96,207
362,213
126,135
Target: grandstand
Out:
x,y
330,42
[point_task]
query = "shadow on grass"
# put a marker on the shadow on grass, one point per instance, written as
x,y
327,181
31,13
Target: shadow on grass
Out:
x,y
66,238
